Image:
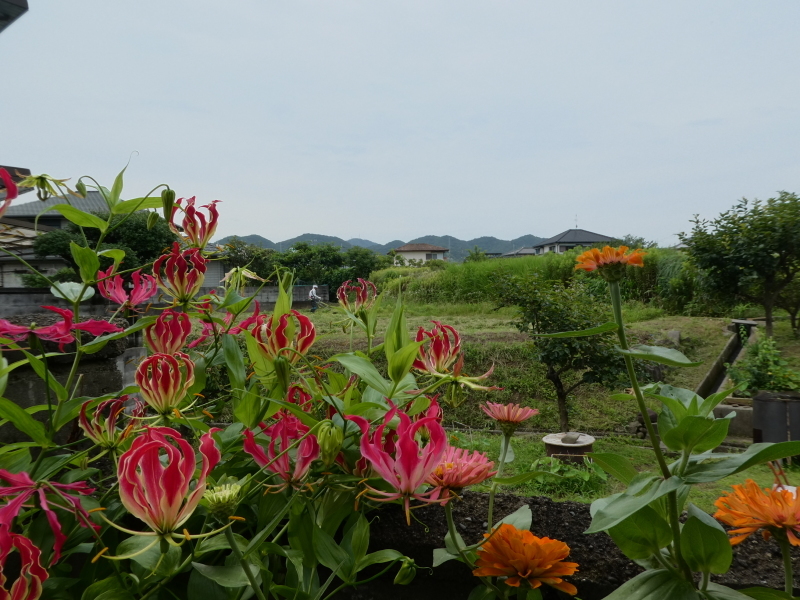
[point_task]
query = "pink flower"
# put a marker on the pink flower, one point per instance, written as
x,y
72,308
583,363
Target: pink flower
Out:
x,y
283,434
197,230
20,490
180,273
508,413
458,469
159,491
365,295
169,333
164,380
297,395
11,191
102,429
112,287
60,333
411,465
32,574
440,350
274,341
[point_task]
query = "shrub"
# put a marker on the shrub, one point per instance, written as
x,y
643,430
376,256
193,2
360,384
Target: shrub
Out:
x,y
764,369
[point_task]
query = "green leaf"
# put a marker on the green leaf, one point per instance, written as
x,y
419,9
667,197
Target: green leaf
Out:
x,y
441,556
401,361
615,465
229,577
700,471
365,370
234,363
44,374
4,370
129,206
152,560
108,585
520,518
88,262
642,534
714,591
83,219
705,544
481,592
523,477
98,343
23,422
655,584
330,554
202,588
379,557
114,254
116,190
665,356
632,500
696,433
604,328
761,593
219,542
359,542
72,291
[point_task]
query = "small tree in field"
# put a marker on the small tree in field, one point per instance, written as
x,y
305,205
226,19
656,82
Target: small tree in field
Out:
x,y
552,307
751,251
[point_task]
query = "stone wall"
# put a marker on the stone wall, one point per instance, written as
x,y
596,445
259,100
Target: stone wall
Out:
x,y
27,301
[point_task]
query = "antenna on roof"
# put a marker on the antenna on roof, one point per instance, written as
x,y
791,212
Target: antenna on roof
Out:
x,y
576,220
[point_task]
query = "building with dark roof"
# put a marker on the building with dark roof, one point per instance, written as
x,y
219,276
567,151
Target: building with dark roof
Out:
x,y
421,252
571,238
11,10
28,211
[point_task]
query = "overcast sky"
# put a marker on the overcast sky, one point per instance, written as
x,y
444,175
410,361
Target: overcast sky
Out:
x,y
387,119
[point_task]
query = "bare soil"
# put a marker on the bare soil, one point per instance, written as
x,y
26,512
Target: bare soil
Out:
x,y
603,568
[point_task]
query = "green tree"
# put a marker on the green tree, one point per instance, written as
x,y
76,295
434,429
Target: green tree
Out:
x,y
751,251
261,261
552,307
475,255
141,245
363,261
789,300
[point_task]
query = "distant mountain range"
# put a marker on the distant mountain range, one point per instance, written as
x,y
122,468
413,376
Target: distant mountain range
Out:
x,y
458,248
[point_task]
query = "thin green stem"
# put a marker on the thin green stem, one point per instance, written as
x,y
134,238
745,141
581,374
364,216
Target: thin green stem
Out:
x,y
493,490
783,542
454,537
237,552
616,303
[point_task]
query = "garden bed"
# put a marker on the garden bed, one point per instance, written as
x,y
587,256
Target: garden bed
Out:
x,y
603,568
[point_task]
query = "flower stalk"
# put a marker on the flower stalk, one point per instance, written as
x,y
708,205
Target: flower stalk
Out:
x,y
245,565
493,489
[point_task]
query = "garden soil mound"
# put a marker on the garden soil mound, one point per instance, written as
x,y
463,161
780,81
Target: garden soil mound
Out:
x,y
602,569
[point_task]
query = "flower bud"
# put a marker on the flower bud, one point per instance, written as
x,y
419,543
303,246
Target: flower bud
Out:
x,y
167,202
222,500
164,380
407,572
283,371
330,439
80,187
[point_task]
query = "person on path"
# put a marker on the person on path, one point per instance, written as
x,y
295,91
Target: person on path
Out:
x,y
312,295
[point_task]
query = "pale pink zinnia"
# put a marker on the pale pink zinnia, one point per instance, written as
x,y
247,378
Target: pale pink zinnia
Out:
x,y
508,413
458,469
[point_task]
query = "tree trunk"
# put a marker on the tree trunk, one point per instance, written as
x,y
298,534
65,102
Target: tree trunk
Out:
x,y
769,302
561,398
793,317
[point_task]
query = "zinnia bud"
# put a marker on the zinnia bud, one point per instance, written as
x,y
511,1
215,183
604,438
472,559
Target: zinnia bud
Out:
x,y
164,380
169,333
222,500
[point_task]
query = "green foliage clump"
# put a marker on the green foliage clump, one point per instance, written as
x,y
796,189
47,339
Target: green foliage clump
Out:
x,y
35,280
764,369
561,478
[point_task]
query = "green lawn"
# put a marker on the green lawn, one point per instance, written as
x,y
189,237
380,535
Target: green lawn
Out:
x,y
527,449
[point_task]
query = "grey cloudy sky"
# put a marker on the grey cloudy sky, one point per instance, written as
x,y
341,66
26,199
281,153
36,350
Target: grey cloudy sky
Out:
x,y
395,119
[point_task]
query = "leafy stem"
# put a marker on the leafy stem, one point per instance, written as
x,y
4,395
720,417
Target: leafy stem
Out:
x,y
493,490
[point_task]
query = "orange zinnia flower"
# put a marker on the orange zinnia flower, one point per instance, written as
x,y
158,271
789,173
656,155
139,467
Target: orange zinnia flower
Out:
x,y
610,261
750,508
520,556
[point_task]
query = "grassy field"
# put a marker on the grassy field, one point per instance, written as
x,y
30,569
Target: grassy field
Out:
x,y
530,448
490,339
